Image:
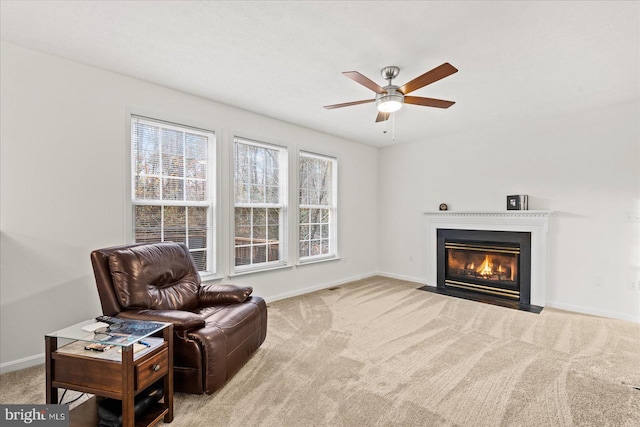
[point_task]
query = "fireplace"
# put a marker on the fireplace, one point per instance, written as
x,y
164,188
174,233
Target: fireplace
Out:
x,y
491,266
505,228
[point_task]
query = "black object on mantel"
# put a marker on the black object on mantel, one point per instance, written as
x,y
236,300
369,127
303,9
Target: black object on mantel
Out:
x,y
480,298
518,202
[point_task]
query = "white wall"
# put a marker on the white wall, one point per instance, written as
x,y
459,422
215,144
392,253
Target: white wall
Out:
x,y
585,167
63,181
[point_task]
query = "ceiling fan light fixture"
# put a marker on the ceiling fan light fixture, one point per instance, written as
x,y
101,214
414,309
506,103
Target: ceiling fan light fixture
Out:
x,y
391,101
389,104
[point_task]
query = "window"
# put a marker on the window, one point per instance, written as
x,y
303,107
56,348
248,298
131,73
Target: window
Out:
x,y
259,203
318,203
172,186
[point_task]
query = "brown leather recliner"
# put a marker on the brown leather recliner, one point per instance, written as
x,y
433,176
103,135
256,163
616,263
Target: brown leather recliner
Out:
x,y
217,327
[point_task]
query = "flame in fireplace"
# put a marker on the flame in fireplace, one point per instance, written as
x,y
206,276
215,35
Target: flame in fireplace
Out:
x,y
485,267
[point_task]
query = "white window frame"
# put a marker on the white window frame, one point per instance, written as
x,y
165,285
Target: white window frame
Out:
x,y
132,202
283,178
332,208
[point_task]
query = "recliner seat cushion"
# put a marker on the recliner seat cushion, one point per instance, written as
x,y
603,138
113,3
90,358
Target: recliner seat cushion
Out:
x,y
158,277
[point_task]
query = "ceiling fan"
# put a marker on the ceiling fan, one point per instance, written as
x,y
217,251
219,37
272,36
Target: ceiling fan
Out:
x,y
391,97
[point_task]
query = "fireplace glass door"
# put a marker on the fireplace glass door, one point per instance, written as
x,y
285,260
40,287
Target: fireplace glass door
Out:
x,y
489,268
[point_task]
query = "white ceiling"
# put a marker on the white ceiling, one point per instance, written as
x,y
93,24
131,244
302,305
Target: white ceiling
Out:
x,y
518,60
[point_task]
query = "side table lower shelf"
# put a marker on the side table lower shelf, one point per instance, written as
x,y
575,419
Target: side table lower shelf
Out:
x,y
86,414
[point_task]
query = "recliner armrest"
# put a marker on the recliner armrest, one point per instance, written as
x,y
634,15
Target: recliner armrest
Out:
x,y
182,320
213,294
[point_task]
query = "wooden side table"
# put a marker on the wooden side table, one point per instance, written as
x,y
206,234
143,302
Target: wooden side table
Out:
x,y
118,373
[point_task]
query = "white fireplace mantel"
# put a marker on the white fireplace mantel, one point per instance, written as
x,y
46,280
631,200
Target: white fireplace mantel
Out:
x,y
534,222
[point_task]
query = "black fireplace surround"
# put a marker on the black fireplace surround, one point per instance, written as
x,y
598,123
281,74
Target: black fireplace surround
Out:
x,y
486,266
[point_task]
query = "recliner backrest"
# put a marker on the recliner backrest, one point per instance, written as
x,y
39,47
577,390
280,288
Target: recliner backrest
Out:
x,y
161,276
171,283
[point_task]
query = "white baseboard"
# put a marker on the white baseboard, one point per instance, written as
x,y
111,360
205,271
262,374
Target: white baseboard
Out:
x,y
26,362
593,311
420,280
314,288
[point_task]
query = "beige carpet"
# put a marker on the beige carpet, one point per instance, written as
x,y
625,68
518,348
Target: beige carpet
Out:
x,y
379,352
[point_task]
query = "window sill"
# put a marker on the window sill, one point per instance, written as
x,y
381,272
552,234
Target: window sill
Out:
x,y
259,270
319,260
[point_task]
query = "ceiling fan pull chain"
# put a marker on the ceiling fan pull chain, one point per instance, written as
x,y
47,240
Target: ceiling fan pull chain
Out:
x,y
393,126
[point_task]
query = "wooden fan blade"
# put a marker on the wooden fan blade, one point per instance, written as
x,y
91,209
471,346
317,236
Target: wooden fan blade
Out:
x,y
382,116
428,102
429,77
348,104
364,81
